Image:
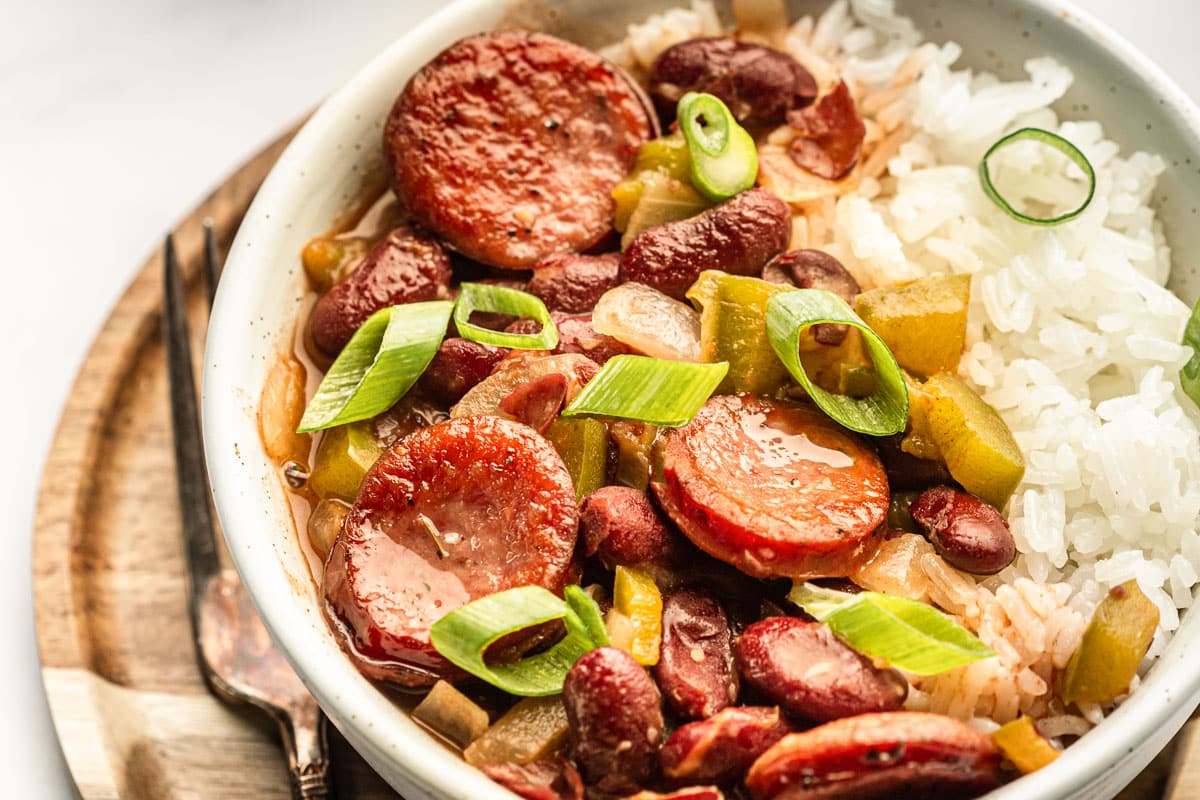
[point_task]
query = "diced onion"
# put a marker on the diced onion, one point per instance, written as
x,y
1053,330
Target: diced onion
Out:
x,y
649,321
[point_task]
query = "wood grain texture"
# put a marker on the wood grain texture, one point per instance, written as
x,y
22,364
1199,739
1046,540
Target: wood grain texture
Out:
x,y
129,705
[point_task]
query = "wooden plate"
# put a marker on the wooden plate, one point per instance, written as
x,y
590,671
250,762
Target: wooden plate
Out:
x,y
132,712
130,707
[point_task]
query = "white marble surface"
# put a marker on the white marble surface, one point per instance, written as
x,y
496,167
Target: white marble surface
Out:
x,y
115,118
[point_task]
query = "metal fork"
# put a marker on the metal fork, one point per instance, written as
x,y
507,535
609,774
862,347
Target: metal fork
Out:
x,y
236,655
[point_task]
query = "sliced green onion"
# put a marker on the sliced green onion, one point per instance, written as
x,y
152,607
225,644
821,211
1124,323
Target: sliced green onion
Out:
x,y
1189,376
724,158
881,414
503,300
653,390
464,635
905,633
1058,143
378,365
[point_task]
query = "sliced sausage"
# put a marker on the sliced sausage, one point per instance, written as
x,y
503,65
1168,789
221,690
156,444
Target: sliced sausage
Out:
x,y
404,267
573,282
538,402
811,674
448,514
774,488
760,85
738,236
896,754
721,748
523,366
508,144
695,664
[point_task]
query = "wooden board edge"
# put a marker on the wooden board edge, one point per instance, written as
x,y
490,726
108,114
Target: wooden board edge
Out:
x,y
72,461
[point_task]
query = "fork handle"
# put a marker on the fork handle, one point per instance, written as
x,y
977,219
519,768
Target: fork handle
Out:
x,y
307,751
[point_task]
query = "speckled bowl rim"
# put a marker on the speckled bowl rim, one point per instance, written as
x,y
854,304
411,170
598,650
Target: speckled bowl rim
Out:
x,y
401,751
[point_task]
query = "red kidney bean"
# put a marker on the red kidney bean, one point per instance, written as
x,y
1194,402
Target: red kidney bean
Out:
x,y
721,748
573,282
897,754
404,267
760,85
967,532
740,235
552,779
812,269
624,528
537,402
690,793
458,365
829,135
695,666
811,674
815,269
575,335
615,714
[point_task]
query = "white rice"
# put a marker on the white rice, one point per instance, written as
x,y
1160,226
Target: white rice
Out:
x,y
1071,335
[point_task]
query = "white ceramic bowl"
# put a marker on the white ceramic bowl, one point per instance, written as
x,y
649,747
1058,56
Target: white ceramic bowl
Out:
x,y
323,168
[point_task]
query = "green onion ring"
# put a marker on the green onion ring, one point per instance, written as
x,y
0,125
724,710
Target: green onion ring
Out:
x,y
724,158
1058,143
463,636
382,360
881,414
503,300
712,137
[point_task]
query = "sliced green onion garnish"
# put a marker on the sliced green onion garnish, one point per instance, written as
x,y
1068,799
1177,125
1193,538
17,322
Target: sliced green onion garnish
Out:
x,y
664,393
1058,143
881,414
464,635
502,300
905,633
378,365
724,158
1189,376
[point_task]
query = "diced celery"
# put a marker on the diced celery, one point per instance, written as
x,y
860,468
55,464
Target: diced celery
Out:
x,y
583,445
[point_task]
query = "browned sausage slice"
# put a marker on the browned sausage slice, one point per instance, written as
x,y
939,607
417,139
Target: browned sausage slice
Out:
x,y
892,754
404,267
508,145
776,489
450,513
